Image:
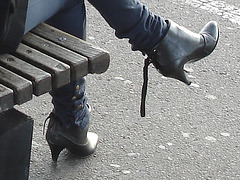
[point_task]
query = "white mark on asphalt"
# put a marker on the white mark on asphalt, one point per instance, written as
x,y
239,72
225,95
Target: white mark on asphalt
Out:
x,y
225,134
210,138
186,135
91,38
133,154
126,172
191,76
127,82
220,8
209,96
194,85
162,147
188,70
115,165
230,28
119,78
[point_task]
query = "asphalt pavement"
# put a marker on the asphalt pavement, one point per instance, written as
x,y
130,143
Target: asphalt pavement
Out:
x,y
188,132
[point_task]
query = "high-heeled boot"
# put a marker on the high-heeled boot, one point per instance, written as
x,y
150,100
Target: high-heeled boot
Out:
x,y
79,142
178,47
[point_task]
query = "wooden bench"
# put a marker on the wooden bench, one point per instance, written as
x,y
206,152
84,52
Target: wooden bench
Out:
x,y
46,59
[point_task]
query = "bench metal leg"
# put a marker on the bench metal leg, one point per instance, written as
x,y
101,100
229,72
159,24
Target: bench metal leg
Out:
x,y
15,145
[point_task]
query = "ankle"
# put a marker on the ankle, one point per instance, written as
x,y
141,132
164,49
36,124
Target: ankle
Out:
x,y
165,29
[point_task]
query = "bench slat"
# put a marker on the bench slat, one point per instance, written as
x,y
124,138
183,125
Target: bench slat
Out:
x,y
78,63
41,80
46,59
22,88
6,98
60,72
98,58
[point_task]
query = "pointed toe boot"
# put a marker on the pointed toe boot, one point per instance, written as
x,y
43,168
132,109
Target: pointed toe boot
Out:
x,y
180,46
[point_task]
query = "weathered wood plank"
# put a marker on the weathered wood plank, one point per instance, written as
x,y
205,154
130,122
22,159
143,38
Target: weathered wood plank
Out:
x,y
41,80
22,88
98,58
47,58
78,63
60,72
6,98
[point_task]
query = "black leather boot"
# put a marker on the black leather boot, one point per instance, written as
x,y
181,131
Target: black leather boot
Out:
x,y
79,142
178,47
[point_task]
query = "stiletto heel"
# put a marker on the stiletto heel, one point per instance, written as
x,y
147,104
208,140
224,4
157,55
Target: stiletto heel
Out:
x,y
181,46
176,48
181,76
55,151
78,141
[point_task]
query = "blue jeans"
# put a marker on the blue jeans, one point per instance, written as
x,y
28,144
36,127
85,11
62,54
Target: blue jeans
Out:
x,y
129,18
68,15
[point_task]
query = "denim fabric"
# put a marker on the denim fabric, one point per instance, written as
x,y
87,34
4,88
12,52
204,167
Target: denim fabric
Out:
x,y
134,21
41,10
70,104
129,18
70,101
68,15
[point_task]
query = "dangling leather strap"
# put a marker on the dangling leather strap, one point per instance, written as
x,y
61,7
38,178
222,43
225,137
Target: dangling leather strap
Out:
x,y
144,86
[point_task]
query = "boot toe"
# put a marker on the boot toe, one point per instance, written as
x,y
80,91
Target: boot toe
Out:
x,y
210,33
212,29
85,150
